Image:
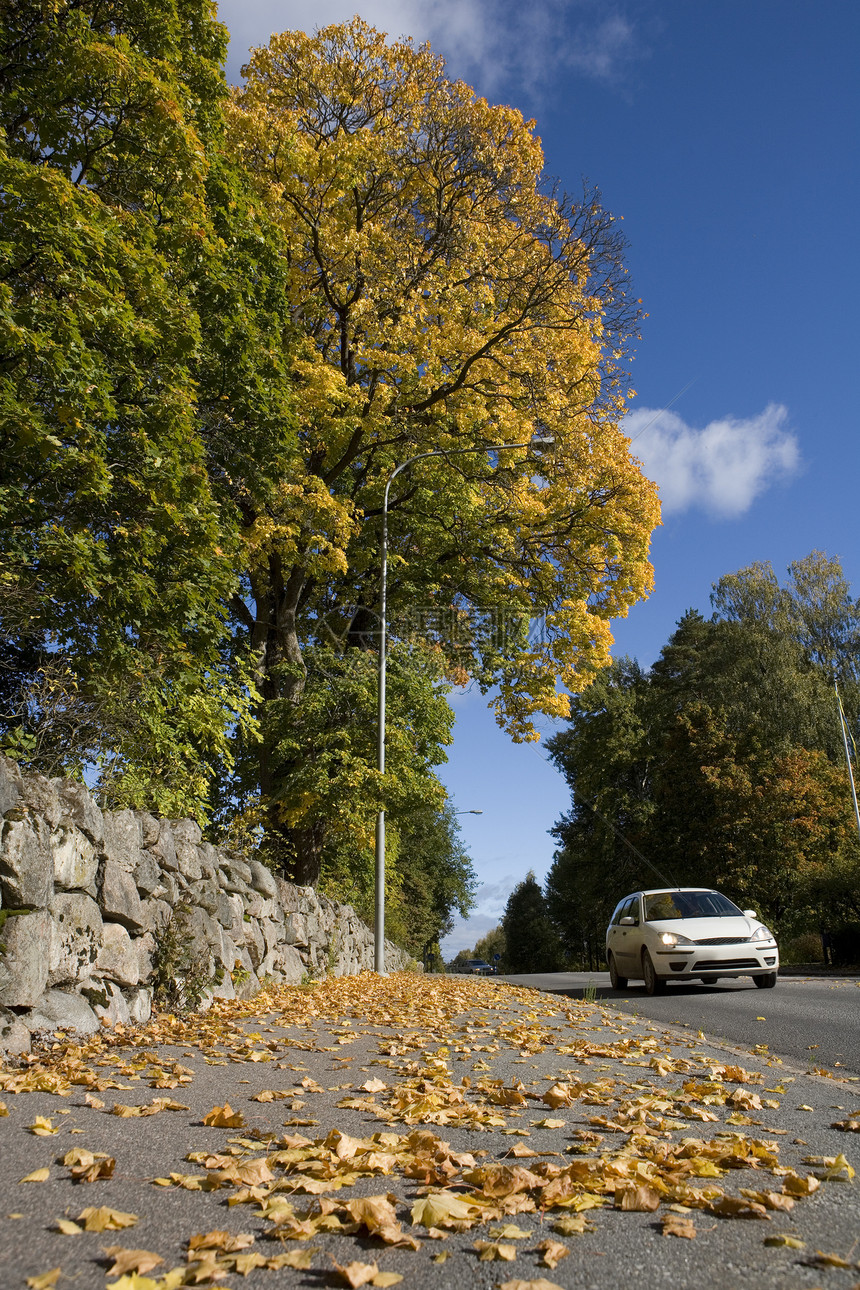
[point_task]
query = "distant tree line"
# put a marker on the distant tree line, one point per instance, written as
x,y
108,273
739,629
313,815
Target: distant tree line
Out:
x,y
722,765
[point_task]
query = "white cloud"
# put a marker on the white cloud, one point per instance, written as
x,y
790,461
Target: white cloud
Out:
x,y
721,468
484,41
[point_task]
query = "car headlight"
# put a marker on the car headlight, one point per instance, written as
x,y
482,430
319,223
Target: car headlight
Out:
x,y
672,938
761,934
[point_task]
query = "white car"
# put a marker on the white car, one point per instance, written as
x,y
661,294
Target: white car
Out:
x,y
679,933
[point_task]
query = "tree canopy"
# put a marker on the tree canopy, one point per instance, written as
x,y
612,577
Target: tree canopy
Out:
x,y
226,318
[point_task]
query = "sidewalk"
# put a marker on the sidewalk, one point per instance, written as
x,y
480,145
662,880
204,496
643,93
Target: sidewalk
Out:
x,y
443,1131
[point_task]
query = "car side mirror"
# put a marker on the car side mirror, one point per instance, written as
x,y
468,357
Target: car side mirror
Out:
x,y
627,921
750,913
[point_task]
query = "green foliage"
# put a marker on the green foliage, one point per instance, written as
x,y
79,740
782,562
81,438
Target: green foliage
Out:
x,y
491,945
531,941
722,766
117,560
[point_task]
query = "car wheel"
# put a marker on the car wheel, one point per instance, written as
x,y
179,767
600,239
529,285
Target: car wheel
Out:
x,y
617,982
709,980
766,981
654,984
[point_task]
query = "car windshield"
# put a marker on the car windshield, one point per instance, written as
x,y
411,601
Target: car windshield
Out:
x,y
688,904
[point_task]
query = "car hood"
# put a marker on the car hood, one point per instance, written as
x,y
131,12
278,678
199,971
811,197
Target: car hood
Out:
x,y
699,929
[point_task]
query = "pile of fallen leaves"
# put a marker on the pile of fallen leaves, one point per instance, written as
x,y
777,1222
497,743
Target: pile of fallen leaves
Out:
x,y
659,1131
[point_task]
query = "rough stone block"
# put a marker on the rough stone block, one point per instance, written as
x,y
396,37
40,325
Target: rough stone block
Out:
x,y
140,1005
40,797
254,944
146,950
147,875
257,906
60,1010
188,862
120,902
291,964
11,785
225,911
150,828
75,861
165,846
263,880
155,915
289,897
75,937
116,1009
295,930
26,863
26,938
78,807
118,957
123,839
14,1035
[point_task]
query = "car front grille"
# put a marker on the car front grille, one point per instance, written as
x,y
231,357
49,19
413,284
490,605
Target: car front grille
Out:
x,y
726,963
721,940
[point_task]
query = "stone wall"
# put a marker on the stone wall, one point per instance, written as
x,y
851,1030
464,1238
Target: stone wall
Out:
x,y
91,902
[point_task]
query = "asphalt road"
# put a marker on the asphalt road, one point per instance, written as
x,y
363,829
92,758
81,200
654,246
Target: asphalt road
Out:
x,y
812,1021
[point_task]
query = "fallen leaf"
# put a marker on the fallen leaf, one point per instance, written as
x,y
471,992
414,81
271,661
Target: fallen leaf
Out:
x,y
45,1279
299,1259
356,1274
539,1283
678,1225
552,1253
386,1279
782,1238
489,1251
820,1260
130,1260
42,1128
103,1219
68,1228
572,1225
637,1197
224,1117
38,1175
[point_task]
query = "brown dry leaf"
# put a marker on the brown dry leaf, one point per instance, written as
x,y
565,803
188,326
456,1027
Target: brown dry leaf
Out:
x,y
558,1095
298,1259
386,1279
782,1238
38,1175
95,1102
736,1207
509,1232
224,1117
637,1197
495,1251
356,1274
373,1086
228,1242
794,1185
67,1228
851,1125
552,1252
548,1124
102,1219
678,1225
130,1260
101,1167
572,1225
45,1280
4,1110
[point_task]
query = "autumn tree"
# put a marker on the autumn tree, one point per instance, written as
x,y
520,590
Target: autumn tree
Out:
x,y
442,297
117,557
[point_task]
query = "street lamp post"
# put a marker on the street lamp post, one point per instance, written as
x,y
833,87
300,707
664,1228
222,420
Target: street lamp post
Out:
x,y
379,921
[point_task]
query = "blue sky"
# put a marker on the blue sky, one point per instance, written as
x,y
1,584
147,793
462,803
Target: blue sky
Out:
x,y
725,132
